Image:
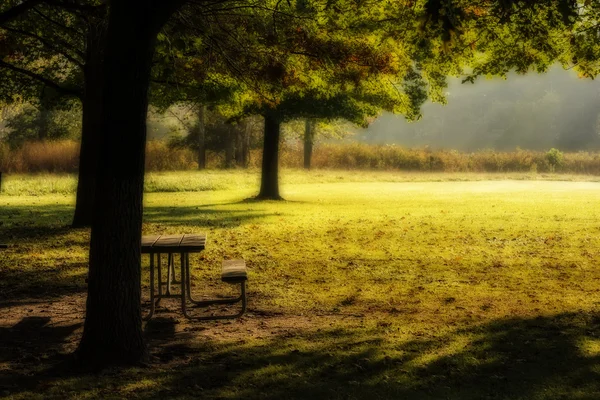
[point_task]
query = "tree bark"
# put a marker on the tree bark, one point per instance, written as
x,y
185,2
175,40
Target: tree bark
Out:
x,y
201,136
239,149
246,145
91,134
229,146
309,140
269,183
113,325
43,122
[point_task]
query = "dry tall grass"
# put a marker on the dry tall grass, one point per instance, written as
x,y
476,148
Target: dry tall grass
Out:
x,y
159,157
54,156
62,156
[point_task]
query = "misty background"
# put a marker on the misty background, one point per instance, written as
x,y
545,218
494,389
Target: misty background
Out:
x,y
531,112
536,112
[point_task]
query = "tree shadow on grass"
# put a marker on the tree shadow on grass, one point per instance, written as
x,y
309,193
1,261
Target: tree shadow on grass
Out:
x,y
34,220
31,232
38,263
16,285
539,358
30,346
198,216
506,359
27,223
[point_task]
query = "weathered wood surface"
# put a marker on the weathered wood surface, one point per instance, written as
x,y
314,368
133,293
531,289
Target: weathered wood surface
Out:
x,y
188,243
234,271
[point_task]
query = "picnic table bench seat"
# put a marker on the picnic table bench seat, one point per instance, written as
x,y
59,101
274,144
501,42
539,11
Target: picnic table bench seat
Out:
x,y
234,271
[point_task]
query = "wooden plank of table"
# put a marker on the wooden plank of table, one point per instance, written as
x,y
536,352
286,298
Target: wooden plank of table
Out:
x,y
192,243
148,242
188,243
167,243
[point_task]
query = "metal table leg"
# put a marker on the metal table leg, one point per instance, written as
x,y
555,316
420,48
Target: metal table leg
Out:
x,y
206,303
173,275
183,284
170,266
151,288
158,267
188,280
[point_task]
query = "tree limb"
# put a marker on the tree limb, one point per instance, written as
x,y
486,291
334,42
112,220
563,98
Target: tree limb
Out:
x,y
41,79
61,26
48,45
16,11
75,5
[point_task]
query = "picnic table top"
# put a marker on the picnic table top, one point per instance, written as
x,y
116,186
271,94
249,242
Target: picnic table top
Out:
x,y
187,243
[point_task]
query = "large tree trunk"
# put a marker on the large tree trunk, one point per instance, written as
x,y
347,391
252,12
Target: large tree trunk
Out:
x,y
91,134
309,140
113,325
201,136
269,183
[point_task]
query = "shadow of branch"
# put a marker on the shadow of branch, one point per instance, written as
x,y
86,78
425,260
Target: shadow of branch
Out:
x,y
543,357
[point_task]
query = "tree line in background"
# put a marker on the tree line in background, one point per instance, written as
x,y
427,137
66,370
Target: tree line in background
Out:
x,y
532,113
63,157
185,126
316,59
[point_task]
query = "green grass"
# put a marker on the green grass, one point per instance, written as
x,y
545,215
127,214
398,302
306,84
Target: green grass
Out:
x,y
213,180
362,285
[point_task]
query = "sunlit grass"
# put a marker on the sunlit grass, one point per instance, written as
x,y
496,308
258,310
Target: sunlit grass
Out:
x,y
215,179
391,285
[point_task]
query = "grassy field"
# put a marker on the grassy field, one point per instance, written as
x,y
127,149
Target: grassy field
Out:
x,y
362,286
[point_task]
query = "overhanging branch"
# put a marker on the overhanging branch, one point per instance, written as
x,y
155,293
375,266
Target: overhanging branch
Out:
x,y
48,45
75,5
15,11
41,79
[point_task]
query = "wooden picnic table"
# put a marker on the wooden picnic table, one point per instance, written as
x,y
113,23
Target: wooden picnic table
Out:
x,y
233,272
155,246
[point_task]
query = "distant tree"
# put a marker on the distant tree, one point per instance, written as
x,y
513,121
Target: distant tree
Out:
x,y
232,138
310,127
33,123
309,130
357,108
201,141
555,158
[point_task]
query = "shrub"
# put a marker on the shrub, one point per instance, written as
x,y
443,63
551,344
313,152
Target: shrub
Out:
x,y
555,158
161,157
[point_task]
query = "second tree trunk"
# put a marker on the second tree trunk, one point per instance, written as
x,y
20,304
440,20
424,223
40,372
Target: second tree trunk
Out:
x,y
201,136
309,140
269,182
91,134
